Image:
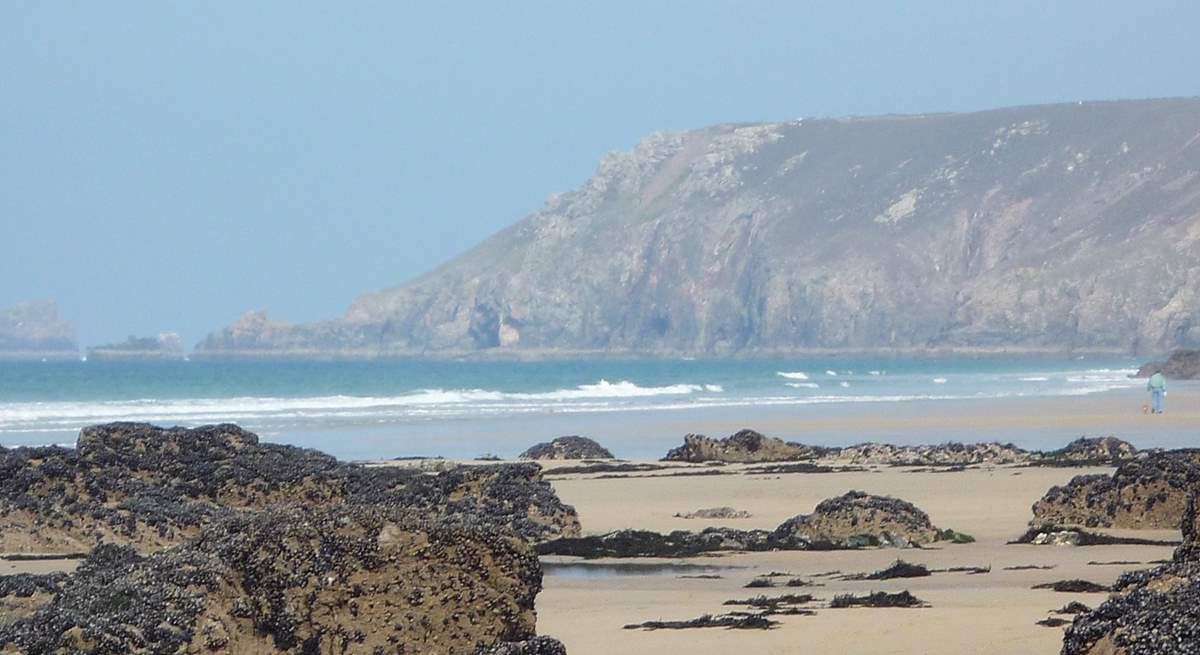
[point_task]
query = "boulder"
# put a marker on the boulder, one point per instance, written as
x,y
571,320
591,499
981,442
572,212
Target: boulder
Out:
x,y
859,519
571,447
1149,492
743,446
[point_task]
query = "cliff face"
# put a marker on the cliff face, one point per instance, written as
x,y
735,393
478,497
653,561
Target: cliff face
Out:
x,y
34,330
1048,228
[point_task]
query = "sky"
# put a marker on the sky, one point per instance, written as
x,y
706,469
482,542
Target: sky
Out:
x,y
170,165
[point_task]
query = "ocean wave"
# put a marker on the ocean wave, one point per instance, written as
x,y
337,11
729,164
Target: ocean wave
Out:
x,y
792,375
58,414
1035,378
803,385
939,380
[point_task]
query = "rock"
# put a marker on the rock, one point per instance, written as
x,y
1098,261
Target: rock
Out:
x,y
1073,587
855,520
1051,228
166,345
1061,538
137,484
292,580
948,454
34,330
568,448
1098,451
743,446
858,519
1151,612
1149,492
535,646
1181,365
1049,534
716,513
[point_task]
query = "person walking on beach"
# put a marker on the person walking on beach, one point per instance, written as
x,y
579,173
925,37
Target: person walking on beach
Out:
x,y
1157,386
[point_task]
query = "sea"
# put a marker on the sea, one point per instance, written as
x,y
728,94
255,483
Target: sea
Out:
x,y
464,409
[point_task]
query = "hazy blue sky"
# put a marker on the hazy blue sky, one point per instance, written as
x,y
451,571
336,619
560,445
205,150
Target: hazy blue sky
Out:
x,y
168,165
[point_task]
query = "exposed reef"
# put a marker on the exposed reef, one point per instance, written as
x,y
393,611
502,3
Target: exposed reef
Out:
x,y
854,520
153,487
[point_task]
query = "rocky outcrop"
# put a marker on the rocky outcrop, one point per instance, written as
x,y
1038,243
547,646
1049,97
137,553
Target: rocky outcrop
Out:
x,y
34,330
334,580
1025,228
1180,365
948,454
1149,492
1151,612
208,541
571,447
854,520
1096,451
743,446
166,345
859,519
137,484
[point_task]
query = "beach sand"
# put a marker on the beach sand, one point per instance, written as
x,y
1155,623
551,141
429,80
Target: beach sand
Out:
x,y
986,613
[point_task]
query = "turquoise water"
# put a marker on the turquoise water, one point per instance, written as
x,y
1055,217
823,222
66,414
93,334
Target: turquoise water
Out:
x,y
330,403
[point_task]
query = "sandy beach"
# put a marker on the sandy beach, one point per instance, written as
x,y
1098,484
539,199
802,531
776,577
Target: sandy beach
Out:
x,y
986,613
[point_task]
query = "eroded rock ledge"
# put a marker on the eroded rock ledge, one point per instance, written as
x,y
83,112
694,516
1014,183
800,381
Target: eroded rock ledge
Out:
x,y
854,520
748,446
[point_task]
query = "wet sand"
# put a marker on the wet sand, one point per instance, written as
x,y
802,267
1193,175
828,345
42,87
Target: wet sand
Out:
x,y
987,613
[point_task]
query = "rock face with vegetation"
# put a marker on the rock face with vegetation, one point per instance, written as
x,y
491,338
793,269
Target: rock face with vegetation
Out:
x,y
1149,492
1071,227
1151,612
571,447
744,446
205,540
133,483
1180,365
34,330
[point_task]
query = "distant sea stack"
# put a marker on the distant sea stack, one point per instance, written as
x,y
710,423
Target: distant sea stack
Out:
x,y
1045,229
34,330
165,346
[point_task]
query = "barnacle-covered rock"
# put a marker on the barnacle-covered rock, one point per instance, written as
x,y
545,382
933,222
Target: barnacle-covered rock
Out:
x,y
354,579
134,483
1151,612
1149,492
